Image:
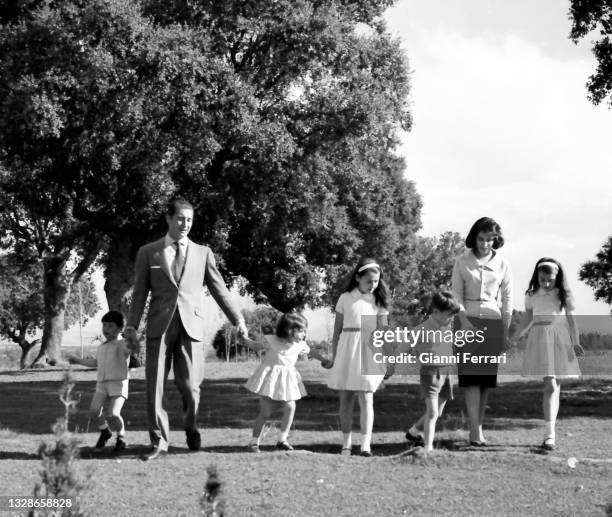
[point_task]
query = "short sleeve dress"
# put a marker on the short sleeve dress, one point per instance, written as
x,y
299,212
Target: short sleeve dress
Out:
x,y
276,376
549,350
354,368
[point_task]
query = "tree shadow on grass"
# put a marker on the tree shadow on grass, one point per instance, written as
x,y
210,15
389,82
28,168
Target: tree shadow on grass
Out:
x,y
32,407
18,455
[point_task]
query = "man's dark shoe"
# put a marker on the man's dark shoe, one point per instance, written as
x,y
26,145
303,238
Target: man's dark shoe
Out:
x,y
193,440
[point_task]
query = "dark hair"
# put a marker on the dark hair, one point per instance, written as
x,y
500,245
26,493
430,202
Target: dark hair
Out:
x,y
444,301
381,293
486,225
560,284
289,322
175,203
114,317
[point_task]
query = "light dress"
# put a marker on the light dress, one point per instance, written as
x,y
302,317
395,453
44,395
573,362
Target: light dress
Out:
x,y
354,368
276,376
549,350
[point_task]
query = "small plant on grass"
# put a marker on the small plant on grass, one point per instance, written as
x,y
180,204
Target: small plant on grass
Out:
x,y
60,478
211,502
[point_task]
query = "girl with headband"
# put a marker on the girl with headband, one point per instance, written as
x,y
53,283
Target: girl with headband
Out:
x,y
552,337
361,309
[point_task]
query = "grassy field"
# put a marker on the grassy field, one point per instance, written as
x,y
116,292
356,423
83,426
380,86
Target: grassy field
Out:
x,y
511,477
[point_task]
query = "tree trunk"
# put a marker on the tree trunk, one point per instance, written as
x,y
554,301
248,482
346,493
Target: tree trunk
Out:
x,y
26,346
18,336
119,273
56,291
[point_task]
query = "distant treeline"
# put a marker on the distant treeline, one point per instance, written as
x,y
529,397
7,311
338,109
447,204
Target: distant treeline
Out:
x,y
596,341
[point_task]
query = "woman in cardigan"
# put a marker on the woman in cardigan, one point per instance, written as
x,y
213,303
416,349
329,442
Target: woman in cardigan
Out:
x,y
479,277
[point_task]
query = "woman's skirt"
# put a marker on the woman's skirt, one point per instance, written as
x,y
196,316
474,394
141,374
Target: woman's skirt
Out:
x,y
480,372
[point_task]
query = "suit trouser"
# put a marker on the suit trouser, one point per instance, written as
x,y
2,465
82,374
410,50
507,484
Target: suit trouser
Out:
x,y
173,348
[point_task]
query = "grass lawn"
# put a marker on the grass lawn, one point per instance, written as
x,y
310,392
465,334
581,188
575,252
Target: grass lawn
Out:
x,y
511,477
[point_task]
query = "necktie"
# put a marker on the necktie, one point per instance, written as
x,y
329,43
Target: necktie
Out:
x,y
179,261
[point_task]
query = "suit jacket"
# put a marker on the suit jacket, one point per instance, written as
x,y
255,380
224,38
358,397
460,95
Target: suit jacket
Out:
x,y
153,275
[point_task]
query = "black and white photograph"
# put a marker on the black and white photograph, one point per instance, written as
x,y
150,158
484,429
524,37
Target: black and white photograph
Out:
x,y
306,258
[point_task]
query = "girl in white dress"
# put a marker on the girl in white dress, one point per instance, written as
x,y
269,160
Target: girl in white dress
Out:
x,y
552,337
361,309
276,380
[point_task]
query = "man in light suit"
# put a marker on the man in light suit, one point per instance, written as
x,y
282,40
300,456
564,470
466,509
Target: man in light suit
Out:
x,y
174,270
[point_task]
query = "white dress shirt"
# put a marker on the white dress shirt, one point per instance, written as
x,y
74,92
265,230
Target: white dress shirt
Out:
x,y
170,250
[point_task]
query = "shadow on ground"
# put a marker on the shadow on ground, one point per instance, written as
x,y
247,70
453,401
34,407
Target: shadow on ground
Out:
x,y
32,407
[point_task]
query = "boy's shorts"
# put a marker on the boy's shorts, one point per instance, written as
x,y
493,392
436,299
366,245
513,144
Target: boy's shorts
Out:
x,y
436,382
113,388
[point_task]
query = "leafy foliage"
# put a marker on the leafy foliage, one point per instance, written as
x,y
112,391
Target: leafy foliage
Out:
x,y
280,121
22,302
60,477
303,177
597,273
428,269
595,15
211,503
259,322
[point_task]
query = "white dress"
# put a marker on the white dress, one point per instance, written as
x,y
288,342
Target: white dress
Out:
x,y
276,376
354,368
549,349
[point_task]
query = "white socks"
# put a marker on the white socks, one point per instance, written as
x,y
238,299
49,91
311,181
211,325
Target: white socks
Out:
x,y
366,439
549,430
282,437
347,440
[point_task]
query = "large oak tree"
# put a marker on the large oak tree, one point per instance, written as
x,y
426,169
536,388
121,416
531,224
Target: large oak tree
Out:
x,y
279,119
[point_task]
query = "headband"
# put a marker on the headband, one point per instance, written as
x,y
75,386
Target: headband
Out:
x,y
549,264
368,266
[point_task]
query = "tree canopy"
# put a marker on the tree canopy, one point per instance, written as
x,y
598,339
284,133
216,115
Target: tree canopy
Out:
x,y
429,269
595,15
278,119
597,274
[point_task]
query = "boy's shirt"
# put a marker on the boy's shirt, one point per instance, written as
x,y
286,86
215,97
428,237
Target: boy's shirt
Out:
x,y
434,340
113,358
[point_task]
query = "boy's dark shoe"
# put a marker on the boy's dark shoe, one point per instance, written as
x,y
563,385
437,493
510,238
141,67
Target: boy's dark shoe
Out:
x,y
105,436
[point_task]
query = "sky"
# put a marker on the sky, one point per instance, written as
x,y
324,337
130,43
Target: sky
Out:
x,y
503,128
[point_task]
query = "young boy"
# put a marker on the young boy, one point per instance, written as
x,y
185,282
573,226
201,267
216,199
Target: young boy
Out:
x,y
436,379
112,358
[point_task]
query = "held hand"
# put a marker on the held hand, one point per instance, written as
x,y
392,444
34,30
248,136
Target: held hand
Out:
x,y
131,336
574,350
327,364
